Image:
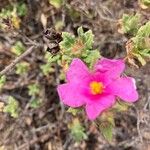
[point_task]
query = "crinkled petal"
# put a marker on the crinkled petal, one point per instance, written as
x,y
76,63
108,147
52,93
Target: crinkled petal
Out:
x,y
78,71
112,68
124,88
71,95
94,109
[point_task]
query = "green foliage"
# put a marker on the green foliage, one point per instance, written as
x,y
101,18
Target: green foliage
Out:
x,y
77,130
72,47
106,129
73,111
59,25
56,3
12,107
130,23
120,106
18,48
35,103
2,81
146,3
141,43
12,12
92,57
22,68
21,9
87,37
80,46
68,40
46,69
74,14
5,13
105,124
18,8
34,89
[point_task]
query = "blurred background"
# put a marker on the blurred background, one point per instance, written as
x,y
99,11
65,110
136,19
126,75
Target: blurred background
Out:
x,y
31,115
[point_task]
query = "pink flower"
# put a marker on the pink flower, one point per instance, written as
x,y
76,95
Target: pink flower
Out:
x,y
97,90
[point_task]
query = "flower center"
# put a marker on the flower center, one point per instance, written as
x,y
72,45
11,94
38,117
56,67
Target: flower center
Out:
x,y
96,87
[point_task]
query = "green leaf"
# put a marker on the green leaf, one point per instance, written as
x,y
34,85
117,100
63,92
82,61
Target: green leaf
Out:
x,y
34,89
22,9
106,129
141,43
92,57
6,12
47,68
121,106
130,23
2,81
22,68
12,107
77,130
145,2
68,40
145,53
35,103
53,58
56,3
18,48
80,31
59,25
144,30
140,58
73,111
89,39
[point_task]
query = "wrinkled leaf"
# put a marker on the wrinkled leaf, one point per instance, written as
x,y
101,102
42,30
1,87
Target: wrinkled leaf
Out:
x,y
12,107
77,130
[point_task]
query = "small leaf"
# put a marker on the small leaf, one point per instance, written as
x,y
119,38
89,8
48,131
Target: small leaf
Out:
x,y
89,39
145,4
22,9
59,25
92,57
18,48
12,107
35,103
144,30
56,3
77,130
73,111
2,81
107,130
53,58
140,58
34,89
145,52
121,106
80,31
68,40
47,68
22,68
129,24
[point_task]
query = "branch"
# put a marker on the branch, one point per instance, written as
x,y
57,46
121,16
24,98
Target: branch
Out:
x,y
18,59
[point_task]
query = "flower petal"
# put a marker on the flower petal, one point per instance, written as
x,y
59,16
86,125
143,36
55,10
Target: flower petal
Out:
x,y
94,109
112,68
124,88
71,95
78,71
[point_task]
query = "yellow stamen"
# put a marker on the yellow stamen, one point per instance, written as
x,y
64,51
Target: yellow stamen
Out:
x,y
96,87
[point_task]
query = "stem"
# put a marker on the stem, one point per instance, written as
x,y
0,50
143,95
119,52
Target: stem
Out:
x,y
14,62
